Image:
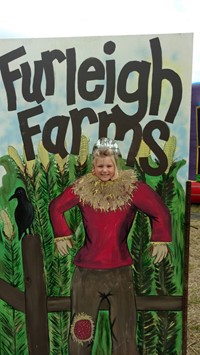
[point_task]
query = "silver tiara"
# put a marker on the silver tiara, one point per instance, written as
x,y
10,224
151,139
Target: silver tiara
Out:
x,y
107,143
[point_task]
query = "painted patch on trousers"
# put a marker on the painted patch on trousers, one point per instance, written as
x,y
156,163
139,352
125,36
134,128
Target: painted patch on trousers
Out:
x,y
82,328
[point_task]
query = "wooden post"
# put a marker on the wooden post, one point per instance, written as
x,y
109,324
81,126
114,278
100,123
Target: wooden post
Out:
x,y
35,296
186,266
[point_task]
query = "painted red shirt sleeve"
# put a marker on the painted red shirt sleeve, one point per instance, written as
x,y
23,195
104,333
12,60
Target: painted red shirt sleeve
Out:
x,y
149,202
57,207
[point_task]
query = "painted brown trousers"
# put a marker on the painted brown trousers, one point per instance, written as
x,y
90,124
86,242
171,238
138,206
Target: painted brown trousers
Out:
x,y
89,288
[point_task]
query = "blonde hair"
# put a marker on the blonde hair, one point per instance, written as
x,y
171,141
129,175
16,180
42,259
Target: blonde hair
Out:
x,y
103,153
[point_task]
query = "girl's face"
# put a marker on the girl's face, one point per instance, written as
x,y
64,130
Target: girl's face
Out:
x,y
104,168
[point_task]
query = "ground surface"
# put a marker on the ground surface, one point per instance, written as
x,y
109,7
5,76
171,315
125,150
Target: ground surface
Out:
x,y
193,325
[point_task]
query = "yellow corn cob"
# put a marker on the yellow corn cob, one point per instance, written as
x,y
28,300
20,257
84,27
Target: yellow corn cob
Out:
x,y
169,150
143,151
7,225
84,149
29,165
15,156
43,156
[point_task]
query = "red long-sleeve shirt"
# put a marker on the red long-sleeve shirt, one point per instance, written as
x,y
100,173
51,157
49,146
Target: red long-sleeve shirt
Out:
x,y
106,231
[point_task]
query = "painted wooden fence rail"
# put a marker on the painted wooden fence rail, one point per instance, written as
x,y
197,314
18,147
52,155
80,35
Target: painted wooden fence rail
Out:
x,y
36,305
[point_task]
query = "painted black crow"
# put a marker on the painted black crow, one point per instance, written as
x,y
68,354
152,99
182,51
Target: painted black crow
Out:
x,y
24,212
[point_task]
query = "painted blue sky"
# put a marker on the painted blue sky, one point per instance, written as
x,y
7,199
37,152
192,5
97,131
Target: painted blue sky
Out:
x,y
176,56
63,18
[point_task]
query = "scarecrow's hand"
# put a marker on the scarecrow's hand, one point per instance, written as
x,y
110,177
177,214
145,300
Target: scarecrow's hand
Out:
x,y
63,245
159,251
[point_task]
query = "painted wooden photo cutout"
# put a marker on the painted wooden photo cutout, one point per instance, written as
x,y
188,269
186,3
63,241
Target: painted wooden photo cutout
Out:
x,y
94,199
